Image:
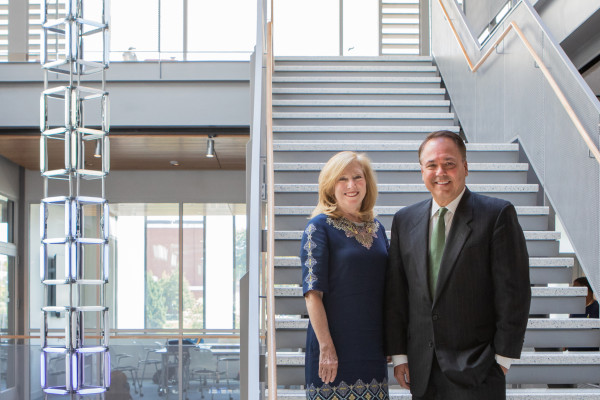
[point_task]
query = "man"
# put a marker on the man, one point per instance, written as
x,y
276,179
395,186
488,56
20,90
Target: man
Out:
x,y
591,305
457,284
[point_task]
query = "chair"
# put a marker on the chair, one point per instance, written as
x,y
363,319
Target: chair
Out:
x,y
123,367
227,360
203,368
148,357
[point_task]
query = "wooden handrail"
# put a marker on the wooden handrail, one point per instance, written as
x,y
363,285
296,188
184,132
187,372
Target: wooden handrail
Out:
x,y
272,349
551,81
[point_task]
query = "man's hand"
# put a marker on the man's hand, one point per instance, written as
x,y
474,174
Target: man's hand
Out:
x,y
328,363
402,375
505,370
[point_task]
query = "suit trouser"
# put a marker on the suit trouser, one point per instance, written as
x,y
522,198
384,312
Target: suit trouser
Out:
x,y
440,388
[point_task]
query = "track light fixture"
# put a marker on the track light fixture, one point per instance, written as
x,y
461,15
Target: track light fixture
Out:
x,y
210,147
98,151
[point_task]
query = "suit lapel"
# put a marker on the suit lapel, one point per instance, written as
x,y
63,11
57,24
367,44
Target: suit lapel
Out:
x,y
419,242
458,235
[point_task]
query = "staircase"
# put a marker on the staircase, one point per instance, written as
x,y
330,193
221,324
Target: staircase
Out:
x,y
385,106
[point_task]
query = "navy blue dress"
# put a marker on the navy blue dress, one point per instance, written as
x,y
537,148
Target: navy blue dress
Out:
x,y
347,263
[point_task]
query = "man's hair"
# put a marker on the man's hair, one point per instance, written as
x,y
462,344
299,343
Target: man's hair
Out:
x,y
445,134
583,281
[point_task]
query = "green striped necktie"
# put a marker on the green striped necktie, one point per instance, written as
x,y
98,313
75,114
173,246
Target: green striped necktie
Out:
x,y
436,249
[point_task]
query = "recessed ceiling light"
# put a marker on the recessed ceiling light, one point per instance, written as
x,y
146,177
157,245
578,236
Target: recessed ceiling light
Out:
x,y
174,163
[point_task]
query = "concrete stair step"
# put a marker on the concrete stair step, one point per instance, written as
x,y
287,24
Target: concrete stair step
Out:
x,y
355,71
407,172
542,270
533,218
384,82
347,93
511,394
529,235
366,103
355,60
354,68
544,300
541,333
532,368
381,151
421,80
357,133
374,118
362,106
539,243
405,194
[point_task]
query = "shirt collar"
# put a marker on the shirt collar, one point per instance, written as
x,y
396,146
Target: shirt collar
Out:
x,y
451,206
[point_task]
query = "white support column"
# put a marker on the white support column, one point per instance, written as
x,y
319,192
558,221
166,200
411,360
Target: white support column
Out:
x,y
18,30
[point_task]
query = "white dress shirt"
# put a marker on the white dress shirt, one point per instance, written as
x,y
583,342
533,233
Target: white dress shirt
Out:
x,y
448,217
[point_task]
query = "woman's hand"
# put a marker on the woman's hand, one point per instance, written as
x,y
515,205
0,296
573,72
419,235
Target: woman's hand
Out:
x,y
328,363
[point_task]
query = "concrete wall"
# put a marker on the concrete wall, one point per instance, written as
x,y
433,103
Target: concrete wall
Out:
x,y
9,179
174,94
159,187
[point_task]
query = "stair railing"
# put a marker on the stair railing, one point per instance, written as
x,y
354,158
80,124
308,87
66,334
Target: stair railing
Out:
x,y
551,81
555,151
271,344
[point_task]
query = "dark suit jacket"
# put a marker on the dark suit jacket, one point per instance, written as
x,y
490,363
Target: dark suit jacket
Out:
x,y
482,298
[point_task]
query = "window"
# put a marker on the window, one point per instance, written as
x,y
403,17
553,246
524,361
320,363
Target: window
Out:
x,y
152,30
6,277
6,220
3,30
151,247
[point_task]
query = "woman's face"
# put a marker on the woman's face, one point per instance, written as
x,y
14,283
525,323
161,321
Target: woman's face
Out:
x,y
350,189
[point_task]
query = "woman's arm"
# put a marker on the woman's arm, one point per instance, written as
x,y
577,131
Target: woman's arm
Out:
x,y
328,361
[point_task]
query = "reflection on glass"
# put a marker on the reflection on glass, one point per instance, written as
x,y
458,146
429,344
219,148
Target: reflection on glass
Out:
x,y
193,266
214,259
146,244
4,293
240,261
5,220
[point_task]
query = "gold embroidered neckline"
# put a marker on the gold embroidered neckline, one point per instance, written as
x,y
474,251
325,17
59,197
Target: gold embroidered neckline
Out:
x,y
362,232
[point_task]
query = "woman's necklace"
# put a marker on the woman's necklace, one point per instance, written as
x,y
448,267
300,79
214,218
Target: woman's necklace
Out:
x,y
362,232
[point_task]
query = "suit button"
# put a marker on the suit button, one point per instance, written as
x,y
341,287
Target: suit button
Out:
x,y
435,317
430,344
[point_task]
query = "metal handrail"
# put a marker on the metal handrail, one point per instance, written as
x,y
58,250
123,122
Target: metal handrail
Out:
x,y
551,81
271,345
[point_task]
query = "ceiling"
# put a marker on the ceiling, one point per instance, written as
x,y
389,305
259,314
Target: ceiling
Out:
x,y
136,151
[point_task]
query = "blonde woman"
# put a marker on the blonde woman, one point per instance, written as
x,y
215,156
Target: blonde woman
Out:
x,y
344,255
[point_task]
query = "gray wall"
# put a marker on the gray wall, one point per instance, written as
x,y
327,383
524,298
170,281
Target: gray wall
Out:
x,y
142,94
160,187
9,179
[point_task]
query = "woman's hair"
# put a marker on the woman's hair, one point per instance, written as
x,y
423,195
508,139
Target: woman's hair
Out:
x,y
330,175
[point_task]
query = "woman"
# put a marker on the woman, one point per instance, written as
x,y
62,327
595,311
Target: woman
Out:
x,y
343,255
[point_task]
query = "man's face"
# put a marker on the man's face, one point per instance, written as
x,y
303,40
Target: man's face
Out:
x,y
443,170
